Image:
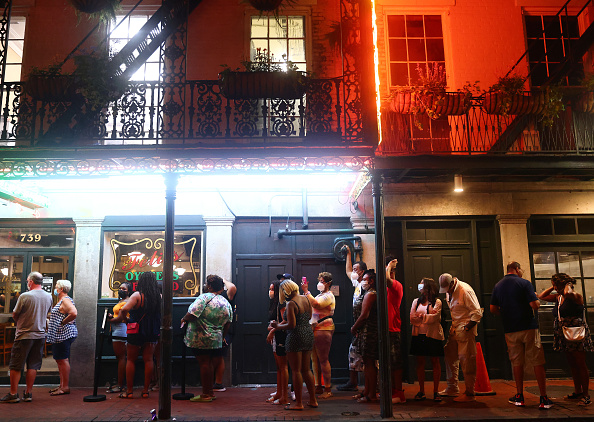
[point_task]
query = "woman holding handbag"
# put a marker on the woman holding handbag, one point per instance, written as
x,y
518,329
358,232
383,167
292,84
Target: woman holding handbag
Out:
x,y
571,332
144,322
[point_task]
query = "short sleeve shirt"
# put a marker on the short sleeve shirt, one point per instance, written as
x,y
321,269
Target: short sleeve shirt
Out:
x,y
32,307
394,299
327,304
513,294
212,313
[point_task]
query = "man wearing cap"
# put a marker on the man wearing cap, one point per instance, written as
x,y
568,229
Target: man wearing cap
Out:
x,y
460,349
515,300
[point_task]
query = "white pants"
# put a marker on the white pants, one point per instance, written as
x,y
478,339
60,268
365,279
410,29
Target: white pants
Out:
x,y
460,350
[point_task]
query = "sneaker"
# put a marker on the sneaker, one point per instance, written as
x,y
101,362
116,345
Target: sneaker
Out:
x,y
518,400
27,396
398,397
420,396
545,403
347,387
585,401
436,397
449,392
218,387
10,398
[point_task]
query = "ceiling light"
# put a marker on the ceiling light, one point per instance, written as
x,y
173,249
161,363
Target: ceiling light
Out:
x,y
458,183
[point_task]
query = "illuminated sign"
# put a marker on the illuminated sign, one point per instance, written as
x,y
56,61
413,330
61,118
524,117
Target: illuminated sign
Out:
x,y
148,256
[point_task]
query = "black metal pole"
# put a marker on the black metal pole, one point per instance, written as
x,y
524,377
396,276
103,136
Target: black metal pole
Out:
x,y
183,395
98,397
382,299
167,302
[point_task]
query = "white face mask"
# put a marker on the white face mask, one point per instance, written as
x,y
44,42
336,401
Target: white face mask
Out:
x,y
365,285
354,276
321,286
420,287
271,294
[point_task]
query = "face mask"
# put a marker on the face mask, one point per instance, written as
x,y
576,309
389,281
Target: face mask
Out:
x,y
122,294
420,287
354,276
365,285
321,286
55,292
271,294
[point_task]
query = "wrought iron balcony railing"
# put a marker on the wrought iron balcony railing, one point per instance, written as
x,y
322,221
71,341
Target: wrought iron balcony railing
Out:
x,y
188,113
479,132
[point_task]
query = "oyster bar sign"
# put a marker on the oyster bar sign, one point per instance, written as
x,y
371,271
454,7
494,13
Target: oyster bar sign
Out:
x,y
147,255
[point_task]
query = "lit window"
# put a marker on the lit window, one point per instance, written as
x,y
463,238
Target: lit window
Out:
x,y
14,56
280,36
150,70
545,53
413,40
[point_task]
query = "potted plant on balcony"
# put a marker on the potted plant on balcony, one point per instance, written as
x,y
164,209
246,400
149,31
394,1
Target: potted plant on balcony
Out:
x,y
263,77
428,96
585,101
507,97
50,84
553,104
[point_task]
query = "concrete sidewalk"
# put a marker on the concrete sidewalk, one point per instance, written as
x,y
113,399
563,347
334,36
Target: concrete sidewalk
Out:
x,y
248,404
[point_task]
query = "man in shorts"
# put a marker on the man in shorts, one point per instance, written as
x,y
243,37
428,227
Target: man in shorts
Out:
x,y
355,273
514,299
395,293
30,315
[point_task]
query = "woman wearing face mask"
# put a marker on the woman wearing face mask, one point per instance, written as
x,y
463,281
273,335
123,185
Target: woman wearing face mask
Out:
x,y
61,334
118,333
427,334
277,339
323,326
365,331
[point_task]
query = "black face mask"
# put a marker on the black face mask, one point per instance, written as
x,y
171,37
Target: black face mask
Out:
x,y
122,294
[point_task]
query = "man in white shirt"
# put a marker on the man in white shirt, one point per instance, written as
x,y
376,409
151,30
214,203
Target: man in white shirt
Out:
x,y
460,349
355,273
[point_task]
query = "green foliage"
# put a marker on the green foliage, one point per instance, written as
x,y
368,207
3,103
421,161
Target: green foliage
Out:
x,y
507,87
553,104
264,62
105,15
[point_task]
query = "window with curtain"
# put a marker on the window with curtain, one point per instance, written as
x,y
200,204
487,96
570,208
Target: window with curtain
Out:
x,y
413,41
280,36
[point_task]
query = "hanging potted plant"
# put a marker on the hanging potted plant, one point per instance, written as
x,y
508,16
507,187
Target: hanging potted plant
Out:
x,y
263,77
265,5
104,10
428,96
507,97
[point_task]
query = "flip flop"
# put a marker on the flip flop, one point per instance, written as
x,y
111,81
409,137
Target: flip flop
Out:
x,y
125,395
60,392
277,401
358,396
366,400
313,405
54,389
271,399
289,407
113,389
199,398
145,395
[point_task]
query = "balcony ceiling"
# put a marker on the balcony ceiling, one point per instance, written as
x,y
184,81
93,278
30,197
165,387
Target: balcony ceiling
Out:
x,y
486,168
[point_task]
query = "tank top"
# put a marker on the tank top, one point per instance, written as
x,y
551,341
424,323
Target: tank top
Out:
x,y
57,332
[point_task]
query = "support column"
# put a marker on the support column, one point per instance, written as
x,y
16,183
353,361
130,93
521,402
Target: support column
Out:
x,y
167,301
514,241
385,371
85,282
219,247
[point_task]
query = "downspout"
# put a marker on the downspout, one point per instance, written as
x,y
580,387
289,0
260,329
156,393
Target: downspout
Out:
x,y
304,204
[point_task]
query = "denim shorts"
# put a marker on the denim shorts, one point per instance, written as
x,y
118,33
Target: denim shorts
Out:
x,y
61,350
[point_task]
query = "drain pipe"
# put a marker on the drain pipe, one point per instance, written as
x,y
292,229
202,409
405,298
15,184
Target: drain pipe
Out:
x,y
321,232
304,205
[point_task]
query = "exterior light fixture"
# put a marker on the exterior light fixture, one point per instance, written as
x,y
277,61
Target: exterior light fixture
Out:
x,y
458,183
4,271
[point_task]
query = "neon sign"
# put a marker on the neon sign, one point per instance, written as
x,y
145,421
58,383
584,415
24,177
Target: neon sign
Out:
x,y
136,263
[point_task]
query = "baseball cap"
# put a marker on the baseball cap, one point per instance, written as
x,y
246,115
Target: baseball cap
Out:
x,y
283,276
445,278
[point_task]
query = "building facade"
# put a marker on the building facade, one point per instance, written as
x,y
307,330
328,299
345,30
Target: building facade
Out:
x,y
270,182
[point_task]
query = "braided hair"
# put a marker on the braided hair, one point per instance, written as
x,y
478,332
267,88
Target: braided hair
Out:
x,y
147,286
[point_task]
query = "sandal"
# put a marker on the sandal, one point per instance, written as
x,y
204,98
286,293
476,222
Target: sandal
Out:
x,y
144,395
125,395
366,399
573,396
436,397
60,392
358,396
113,389
312,405
326,395
420,396
54,389
202,398
277,401
290,407
585,401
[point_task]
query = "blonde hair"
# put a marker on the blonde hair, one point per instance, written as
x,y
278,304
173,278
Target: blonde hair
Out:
x,y
65,285
287,287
